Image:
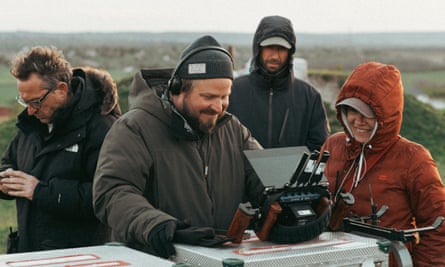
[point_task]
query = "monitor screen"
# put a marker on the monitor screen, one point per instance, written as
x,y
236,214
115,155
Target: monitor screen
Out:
x,y
276,166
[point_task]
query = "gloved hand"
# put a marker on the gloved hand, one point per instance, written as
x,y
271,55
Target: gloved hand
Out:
x,y
201,236
161,239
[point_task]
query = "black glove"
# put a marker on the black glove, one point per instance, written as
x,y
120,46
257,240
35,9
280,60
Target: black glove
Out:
x,y
201,236
161,239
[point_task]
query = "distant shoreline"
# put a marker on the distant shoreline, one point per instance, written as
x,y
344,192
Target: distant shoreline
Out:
x,y
374,40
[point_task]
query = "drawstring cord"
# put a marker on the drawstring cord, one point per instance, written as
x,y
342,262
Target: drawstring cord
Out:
x,y
340,188
360,172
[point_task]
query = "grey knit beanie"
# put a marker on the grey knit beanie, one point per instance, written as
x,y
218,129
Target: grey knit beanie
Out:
x,y
205,59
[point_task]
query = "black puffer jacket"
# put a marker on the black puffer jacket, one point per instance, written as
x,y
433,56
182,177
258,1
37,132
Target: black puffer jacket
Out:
x,y
278,109
61,212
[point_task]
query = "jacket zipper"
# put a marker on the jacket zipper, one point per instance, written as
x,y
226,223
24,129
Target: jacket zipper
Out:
x,y
204,156
283,127
269,127
206,159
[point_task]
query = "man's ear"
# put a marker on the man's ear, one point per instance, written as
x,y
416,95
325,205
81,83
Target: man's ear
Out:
x,y
62,88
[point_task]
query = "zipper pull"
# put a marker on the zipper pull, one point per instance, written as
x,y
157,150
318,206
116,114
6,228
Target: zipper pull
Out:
x,y
206,171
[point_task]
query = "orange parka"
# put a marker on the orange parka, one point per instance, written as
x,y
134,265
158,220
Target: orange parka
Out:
x,y
400,173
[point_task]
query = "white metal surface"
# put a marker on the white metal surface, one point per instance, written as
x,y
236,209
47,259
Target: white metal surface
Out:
x,y
329,249
97,256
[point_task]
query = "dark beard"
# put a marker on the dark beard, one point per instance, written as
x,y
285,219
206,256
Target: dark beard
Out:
x,y
283,71
195,123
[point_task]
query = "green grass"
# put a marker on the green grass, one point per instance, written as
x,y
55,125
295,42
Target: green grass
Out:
x,y
418,78
431,83
7,208
7,219
8,86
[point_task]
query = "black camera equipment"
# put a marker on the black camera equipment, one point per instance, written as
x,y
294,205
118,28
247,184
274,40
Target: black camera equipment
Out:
x,y
296,205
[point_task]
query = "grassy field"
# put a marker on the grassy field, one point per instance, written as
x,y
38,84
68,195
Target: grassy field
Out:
x,y
420,78
431,83
7,208
7,219
7,86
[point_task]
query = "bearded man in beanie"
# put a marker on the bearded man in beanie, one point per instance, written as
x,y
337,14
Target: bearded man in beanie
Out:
x,y
278,108
172,169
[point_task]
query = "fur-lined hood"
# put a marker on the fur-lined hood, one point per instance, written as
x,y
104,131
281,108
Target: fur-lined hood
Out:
x,y
92,91
102,81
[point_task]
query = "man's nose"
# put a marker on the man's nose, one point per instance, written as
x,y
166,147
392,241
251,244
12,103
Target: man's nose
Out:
x,y
32,110
218,105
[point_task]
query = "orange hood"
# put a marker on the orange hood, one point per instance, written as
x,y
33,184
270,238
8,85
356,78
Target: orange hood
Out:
x,y
379,86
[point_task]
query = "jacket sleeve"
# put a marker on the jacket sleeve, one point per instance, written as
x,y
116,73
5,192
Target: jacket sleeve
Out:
x,y
8,162
249,142
72,197
9,155
319,124
427,197
254,185
68,198
121,178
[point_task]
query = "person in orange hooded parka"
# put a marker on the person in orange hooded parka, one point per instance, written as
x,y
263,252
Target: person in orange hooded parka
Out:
x,y
371,158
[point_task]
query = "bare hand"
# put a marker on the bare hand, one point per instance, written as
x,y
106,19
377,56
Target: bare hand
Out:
x,y
3,175
18,184
2,188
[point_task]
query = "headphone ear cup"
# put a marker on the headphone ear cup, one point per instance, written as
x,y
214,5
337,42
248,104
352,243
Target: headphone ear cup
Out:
x,y
174,85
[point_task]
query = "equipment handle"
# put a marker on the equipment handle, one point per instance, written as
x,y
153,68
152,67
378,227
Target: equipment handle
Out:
x,y
240,222
272,215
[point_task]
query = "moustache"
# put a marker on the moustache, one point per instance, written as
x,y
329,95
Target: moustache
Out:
x,y
209,112
273,61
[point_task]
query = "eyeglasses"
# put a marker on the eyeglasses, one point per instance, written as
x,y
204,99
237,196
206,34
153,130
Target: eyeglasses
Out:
x,y
35,103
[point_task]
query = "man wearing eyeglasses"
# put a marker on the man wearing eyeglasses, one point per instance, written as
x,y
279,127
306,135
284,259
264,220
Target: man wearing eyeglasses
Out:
x,y
49,166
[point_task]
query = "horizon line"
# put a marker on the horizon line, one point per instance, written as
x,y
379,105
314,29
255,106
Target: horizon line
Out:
x,y
215,32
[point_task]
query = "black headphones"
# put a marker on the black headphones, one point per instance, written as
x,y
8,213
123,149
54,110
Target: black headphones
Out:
x,y
175,84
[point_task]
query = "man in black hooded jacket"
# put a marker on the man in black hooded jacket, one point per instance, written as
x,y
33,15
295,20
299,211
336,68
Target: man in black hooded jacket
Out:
x,y
48,168
279,109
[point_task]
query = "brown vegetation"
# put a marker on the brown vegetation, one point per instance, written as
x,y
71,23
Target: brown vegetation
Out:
x,y
5,113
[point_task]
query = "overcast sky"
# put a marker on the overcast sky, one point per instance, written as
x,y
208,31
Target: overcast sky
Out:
x,y
308,16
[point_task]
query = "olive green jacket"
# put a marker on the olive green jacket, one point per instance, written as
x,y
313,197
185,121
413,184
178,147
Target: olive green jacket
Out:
x,y
148,174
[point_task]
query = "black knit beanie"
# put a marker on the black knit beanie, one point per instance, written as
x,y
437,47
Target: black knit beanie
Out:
x,y
205,59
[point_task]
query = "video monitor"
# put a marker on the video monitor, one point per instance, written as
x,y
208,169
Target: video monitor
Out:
x,y
277,166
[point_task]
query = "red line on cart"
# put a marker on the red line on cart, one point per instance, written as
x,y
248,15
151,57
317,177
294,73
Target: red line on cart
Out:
x,y
101,264
284,248
53,260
